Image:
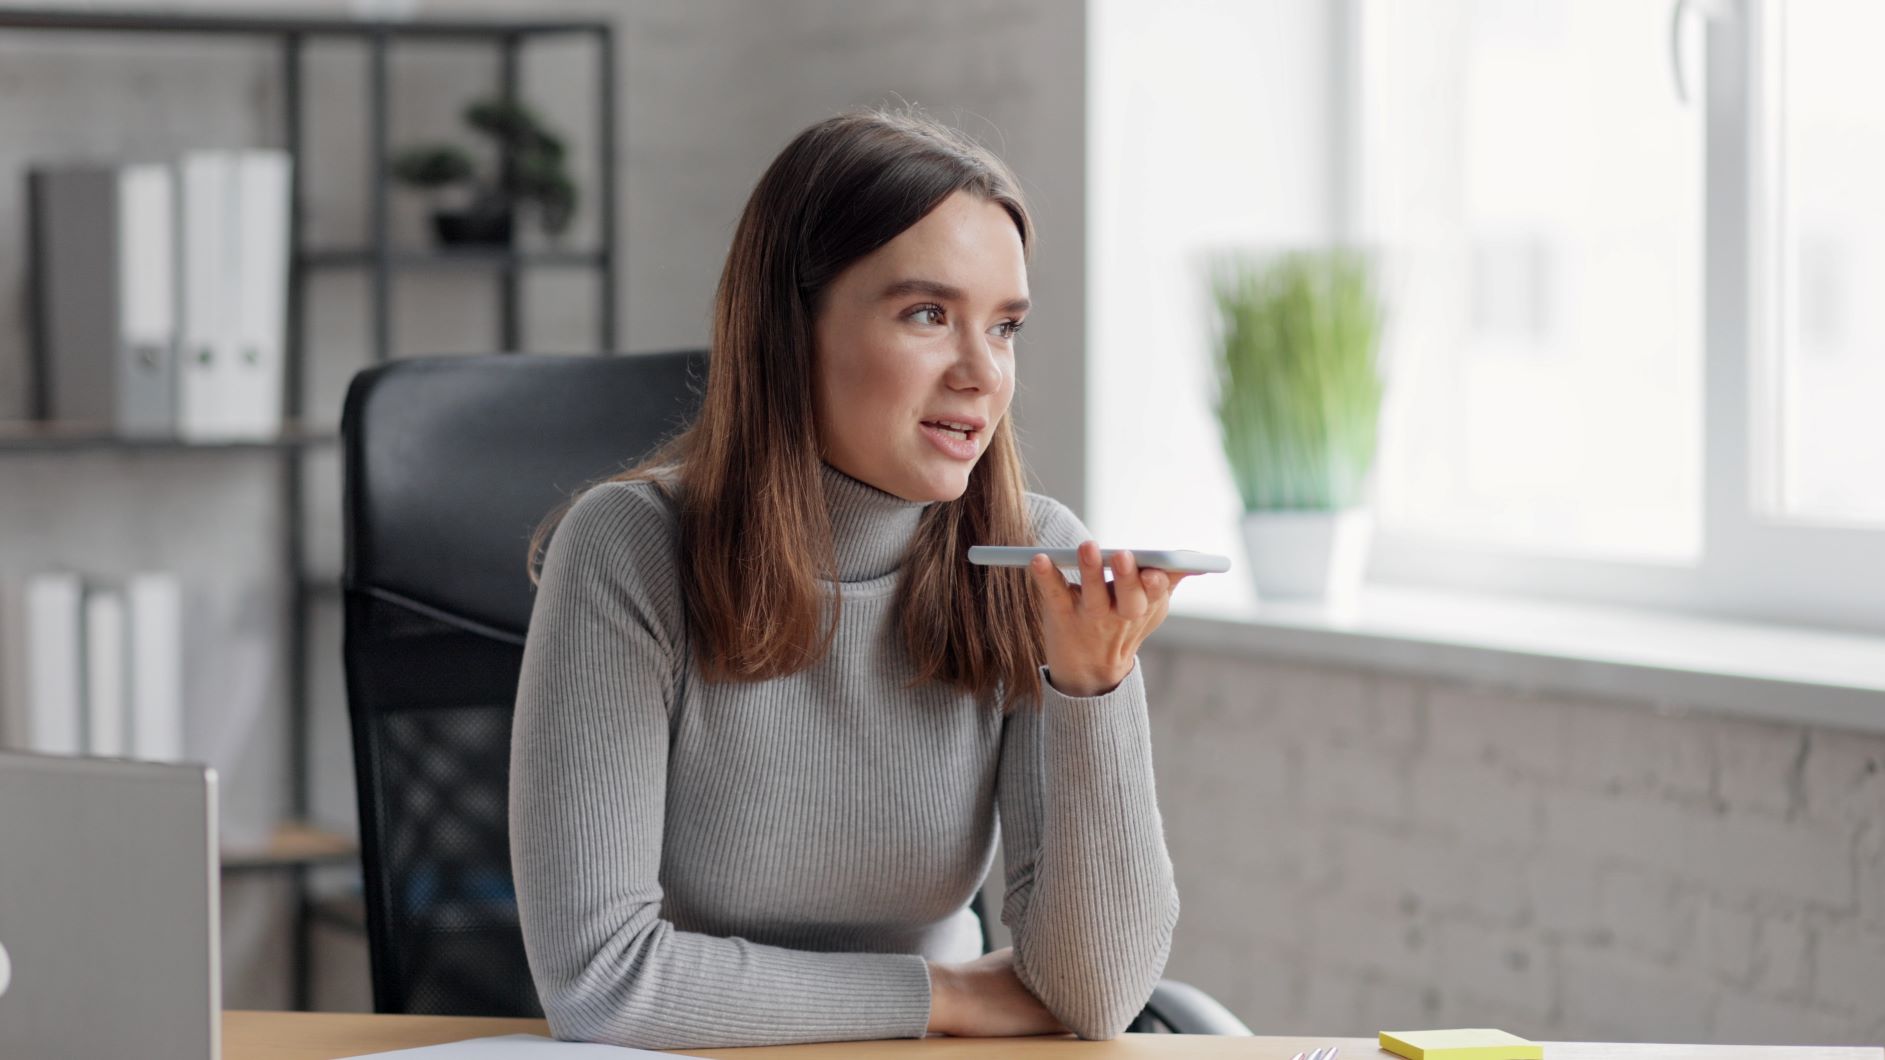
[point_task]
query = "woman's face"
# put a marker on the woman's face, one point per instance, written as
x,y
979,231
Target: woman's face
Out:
x,y
921,329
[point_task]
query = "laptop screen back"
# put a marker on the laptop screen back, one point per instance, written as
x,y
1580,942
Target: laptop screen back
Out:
x,y
108,908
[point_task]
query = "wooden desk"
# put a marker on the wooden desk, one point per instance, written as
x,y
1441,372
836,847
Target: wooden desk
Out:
x,y
330,1035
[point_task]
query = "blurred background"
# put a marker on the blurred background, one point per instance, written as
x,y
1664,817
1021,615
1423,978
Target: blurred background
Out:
x,y
1575,728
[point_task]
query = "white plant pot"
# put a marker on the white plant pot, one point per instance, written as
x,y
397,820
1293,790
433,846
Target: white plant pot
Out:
x,y
1308,555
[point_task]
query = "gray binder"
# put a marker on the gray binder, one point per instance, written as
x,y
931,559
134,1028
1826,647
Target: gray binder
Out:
x,y
105,284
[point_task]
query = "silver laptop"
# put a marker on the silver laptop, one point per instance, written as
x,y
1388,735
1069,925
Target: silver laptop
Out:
x,y
108,909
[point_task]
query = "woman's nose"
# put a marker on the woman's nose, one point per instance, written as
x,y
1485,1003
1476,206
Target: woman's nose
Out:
x,y
977,361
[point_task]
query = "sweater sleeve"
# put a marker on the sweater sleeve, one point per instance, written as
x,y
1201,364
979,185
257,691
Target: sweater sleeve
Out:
x,y
1090,896
589,747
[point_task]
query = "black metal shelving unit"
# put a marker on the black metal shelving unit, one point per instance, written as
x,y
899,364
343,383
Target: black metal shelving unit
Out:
x,y
299,848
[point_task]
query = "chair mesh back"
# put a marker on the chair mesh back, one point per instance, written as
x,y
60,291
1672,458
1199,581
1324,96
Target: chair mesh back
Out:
x,y
449,941
449,464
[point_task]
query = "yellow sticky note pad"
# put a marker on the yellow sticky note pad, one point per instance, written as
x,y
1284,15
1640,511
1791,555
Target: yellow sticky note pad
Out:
x,y
1470,1043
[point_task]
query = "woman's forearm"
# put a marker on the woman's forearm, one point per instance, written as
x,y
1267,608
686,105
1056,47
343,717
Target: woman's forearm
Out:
x,y
1093,907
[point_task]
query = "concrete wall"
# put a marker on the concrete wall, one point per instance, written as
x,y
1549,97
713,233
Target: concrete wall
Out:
x,y
709,92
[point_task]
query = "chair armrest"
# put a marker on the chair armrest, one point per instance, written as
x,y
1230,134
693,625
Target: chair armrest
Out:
x,y
1188,1010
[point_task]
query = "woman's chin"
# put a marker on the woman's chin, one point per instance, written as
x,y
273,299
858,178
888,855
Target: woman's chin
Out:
x,y
954,482
927,490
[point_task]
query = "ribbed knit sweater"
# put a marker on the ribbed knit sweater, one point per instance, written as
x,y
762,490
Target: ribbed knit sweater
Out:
x,y
772,862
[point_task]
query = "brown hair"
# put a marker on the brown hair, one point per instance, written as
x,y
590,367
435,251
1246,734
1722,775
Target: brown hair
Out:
x,y
755,534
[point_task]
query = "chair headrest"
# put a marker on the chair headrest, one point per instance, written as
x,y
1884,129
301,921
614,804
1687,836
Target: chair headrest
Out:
x,y
450,463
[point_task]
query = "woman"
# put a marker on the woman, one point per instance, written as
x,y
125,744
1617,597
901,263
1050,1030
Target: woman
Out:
x,y
768,712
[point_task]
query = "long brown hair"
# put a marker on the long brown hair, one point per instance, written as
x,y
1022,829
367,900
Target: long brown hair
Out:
x,y
755,534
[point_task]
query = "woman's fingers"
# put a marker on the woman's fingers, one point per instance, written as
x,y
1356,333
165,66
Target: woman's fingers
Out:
x,y
1128,585
1094,594
1054,585
1133,590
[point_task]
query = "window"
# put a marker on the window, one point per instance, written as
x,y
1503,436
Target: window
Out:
x,y
1536,186
1628,251
1208,127
1823,408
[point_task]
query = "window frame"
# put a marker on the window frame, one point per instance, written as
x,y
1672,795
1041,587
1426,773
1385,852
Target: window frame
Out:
x,y
1754,564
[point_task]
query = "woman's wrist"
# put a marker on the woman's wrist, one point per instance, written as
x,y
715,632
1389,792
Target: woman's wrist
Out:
x,y
944,996
1078,688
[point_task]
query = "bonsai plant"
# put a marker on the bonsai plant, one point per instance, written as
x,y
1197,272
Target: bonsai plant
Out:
x,y
536,175
1298,406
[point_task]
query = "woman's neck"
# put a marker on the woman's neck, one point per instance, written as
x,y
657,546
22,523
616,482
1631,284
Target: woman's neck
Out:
x,y
871,529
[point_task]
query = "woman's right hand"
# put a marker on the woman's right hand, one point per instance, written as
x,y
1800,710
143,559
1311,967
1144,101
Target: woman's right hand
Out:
x,y
984,998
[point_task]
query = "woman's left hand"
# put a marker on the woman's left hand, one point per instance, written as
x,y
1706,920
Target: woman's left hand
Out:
x,y
1094,629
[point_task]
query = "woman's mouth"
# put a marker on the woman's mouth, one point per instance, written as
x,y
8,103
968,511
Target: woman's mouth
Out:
x,y
952,441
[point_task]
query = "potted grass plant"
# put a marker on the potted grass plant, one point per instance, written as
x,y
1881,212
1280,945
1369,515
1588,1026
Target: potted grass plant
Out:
x,y
1298,403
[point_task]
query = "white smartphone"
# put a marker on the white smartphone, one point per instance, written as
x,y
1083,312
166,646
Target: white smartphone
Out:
x,y
1180,560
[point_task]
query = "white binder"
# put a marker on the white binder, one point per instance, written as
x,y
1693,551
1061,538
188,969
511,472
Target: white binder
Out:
x,y
154,601
105,710
259,293
147,293
49,636
206,343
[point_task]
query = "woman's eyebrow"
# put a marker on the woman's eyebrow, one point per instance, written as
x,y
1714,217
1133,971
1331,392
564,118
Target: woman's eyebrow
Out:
x,y
905,288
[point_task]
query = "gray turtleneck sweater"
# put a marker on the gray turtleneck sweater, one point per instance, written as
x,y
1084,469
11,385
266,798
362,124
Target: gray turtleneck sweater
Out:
x,y
772,862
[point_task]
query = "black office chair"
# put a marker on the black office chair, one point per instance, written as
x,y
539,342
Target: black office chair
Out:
x,y
449,463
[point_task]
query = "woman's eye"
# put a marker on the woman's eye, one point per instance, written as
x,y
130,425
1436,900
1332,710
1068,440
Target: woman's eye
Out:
x,y
923,314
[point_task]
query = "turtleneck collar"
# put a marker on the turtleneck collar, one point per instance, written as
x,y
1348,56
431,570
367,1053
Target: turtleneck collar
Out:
x,y
870,528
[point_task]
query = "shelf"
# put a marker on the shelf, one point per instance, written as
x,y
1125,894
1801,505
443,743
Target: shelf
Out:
x,y
345,911
39,436
294,843
480,258
297,847
311,25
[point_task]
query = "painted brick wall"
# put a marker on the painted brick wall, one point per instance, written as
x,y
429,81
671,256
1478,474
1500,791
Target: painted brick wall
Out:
x,y
1363,851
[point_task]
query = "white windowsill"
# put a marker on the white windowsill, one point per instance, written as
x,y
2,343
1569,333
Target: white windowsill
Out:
x,y
1673,662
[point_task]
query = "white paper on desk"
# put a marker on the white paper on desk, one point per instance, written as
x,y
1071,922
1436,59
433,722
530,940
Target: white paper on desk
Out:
x,y
515,1047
